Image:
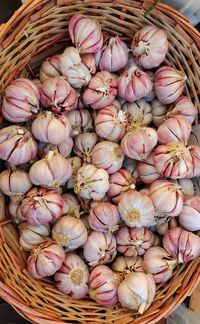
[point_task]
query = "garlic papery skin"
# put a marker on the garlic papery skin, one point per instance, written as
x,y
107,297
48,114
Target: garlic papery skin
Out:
x,y
32,236
58,95
85,34
138,144
100,248
114,56
83,145
159,112
51,129
172,160
167,197
108,156
20,101
138,112
195,156
51,172
17,145
14,209
189,217
137,291
103,286
169,84
71,205
41,206
72,278
80,121
45,260
69,232
182,245
187,187
133,242
134,84
15,183
183,107
101,90
136,209
175,129
76,73
90,62
104,217
125,265
50,68
159,263
169,223
147,170
91,183
111,122
76,164
120,182
149,46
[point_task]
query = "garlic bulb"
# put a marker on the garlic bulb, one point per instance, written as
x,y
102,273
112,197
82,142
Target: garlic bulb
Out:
x,y
168,223
147,171
100,248
126,264
50,68
63,148
31,236
83,145
189,217
104,217
159,112
195,156
69,232
88,59
131,165
138,112
136,209
137,291
72,278
187,187
183,107
80,121
133,242
71,205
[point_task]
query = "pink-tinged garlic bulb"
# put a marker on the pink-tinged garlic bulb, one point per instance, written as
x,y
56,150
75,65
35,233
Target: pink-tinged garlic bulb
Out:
x,y
41,206
51,172
32,236
147,170
21,101
173,160
101,90
103,286
58,95
182,245
91,182
149,46
138,112
104,217
71,205
15,183
138,144
14,209
131,165
195,155
45,260
134,241
17,145
76,164
170,222
167,197
159,112
89,61
136,209
120,182
114,56
72,278
85,34
125,265
100,248
50,68
159,263
189,217
83,145
63,148
175,129
80,121
134,84
76,73
50,128
69,232
169,84
111,122
187,187
107,155
137,291
183,107
151,95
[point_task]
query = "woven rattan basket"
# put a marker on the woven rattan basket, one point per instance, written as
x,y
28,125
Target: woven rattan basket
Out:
x,y
40,29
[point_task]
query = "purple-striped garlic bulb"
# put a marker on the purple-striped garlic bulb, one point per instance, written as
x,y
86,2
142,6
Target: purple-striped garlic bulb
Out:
x,y
80,121
183,107
125,264
83,145
72,278
138,112
31,236
71,205
89,60
189,217
50,68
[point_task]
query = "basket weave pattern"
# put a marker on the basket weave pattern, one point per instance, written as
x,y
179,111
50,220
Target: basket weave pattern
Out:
x,y
40,29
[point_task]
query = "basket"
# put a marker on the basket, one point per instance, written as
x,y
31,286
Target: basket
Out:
x,y
40,29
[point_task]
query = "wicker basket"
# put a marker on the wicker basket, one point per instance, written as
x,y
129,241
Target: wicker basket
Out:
x,y
37,30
